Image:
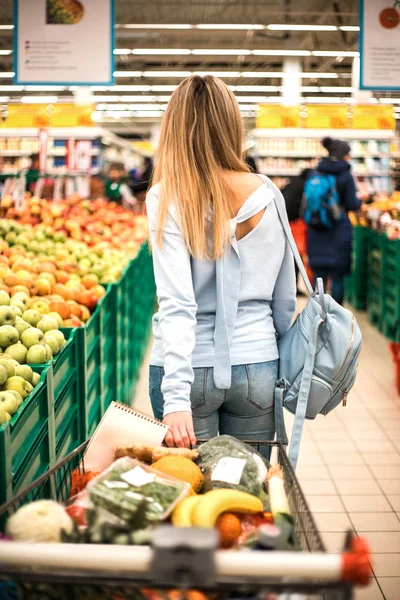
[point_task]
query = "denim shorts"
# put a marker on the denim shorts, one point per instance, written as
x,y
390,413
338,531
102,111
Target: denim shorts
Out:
x,y
245,411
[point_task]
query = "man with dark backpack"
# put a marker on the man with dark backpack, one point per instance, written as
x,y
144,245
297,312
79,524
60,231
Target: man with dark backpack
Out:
x,y
329,194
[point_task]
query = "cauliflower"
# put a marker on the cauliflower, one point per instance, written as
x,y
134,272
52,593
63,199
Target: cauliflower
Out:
x,y
40,521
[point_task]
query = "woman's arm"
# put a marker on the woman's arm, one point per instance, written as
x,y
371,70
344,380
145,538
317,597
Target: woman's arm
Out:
x,y
284,296
177,322
349,194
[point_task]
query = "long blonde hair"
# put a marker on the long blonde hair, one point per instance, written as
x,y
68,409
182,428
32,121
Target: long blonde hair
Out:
x,y
201,134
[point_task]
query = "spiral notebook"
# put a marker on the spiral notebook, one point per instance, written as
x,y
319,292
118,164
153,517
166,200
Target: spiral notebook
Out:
x,y
121,426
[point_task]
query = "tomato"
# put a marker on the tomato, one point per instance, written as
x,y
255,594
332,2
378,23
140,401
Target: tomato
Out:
x,y
389,18
77,513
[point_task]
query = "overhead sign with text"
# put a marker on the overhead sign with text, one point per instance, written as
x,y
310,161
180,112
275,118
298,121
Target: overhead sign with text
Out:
x,y
67,42
380,45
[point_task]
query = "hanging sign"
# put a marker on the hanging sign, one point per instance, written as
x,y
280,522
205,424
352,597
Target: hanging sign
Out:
x,y
45,115
67,42
43,149
272,116
327,116
373,117
380,45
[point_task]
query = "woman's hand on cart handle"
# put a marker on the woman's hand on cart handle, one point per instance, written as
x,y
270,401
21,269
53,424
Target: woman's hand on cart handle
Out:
x,y
181,432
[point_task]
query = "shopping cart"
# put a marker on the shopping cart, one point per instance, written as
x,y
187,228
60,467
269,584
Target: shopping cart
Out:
x,y
176,561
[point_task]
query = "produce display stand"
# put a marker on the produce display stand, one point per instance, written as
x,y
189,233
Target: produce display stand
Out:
x,y
175,560
99,363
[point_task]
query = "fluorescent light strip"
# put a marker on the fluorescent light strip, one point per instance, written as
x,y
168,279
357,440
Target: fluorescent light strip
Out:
x,y
154,26
281,52
262,74
122,51
349,28
255,88
6,27
222,74
178,74
161,51
289,27
7,74
5,52
327,100
389,100
39,99
11,88
127,74
233,26
222,52
4,99
335,53
317,75
44,88
336,89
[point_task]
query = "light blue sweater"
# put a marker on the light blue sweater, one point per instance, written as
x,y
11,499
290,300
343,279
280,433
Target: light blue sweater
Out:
x,y
219,313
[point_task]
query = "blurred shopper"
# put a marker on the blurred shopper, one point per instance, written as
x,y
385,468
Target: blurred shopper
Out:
x,y
32,174
116,188
293,195
251,163
147,171
224,273
329,236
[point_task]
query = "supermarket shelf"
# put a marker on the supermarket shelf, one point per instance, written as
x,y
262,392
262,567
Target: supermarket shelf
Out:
x,y
310,154
294,172
53,152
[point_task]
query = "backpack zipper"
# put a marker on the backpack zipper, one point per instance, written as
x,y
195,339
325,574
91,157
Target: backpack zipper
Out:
x,y
345,394
349,347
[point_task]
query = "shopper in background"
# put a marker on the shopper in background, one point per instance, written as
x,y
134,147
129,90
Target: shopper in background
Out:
x,y
224,273
116,187
329,251
147,171
32,174
251,163
293,195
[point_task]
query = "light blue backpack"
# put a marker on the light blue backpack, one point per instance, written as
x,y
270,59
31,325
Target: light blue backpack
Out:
x,y
318,355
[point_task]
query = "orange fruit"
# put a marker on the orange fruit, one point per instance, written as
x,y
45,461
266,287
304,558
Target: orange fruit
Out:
x,y
46,267
49,277
20,288
229,528
43,287
61,276
90,281
61,308
85,313
11,280
61,290
88,299
74,292
99,291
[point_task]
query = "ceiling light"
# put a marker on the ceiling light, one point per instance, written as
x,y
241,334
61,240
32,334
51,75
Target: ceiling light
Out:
x,y
125,88
289,27
231,26
281,52
317,75
327,100
4,99
336,53
349,28
220,74
148,114
310,88
255,88
163,88
154,26
105,98
252,99
6,27
39,99
44,88
160,51
389,100
338,89
178,74
122,51
140,98
263,74
127,73
7,74
222,52
5,52
11,88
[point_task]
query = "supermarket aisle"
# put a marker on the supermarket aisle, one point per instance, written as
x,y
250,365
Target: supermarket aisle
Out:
x,y
350,465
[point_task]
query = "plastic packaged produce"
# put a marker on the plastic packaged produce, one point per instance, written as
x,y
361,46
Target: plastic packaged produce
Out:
x,y
123,488
229,463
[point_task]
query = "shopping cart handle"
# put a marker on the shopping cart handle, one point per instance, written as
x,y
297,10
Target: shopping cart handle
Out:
x,y
184,557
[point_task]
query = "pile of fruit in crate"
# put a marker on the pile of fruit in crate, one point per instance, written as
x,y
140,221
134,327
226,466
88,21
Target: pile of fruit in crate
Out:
x,y
383,215
223,484
52,274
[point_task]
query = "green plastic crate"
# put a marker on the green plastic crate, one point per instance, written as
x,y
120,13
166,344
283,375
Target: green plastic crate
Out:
x,y
27,447
356,284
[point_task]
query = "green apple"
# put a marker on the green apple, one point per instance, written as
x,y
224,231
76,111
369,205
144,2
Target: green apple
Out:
x,y
19,385
16,395
4,417
18,352
24,371
8,335
31,337
48,352
20,299
47,323
21,325
41,306
31,316
16,310
3,375
58,335
37,355
35,379
4,298
7,315
57,317
52,342
8,366
8,403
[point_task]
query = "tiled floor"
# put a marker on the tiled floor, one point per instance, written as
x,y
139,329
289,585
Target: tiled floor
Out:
x,y
349,466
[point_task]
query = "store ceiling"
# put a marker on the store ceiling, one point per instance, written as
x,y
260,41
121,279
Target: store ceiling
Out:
x,y
247,49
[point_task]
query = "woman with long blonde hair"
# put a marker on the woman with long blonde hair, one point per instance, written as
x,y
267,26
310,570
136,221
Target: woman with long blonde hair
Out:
x,y
224,274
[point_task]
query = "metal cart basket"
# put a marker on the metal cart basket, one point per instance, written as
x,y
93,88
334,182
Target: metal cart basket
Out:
x,y
176,561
